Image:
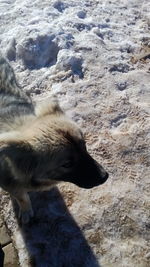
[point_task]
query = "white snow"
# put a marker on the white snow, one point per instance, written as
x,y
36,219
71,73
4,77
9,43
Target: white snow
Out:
x,y
81,51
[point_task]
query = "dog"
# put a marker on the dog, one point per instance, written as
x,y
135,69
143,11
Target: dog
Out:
x,y
39,145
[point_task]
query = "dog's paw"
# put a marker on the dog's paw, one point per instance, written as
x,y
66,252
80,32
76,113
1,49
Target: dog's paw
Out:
x,y
26,216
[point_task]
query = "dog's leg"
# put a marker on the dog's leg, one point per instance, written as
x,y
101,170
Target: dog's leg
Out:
x,y
25,212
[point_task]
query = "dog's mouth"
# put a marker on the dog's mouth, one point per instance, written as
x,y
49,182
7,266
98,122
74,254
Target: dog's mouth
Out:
x,y
91,184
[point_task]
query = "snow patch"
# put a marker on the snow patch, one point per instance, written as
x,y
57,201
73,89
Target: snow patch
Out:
x,y
69,60
38,52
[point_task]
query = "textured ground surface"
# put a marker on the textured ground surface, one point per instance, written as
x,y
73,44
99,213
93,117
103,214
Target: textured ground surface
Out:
x,y
95,56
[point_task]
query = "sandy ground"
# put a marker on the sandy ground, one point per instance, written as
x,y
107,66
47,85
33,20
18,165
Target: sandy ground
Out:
x,y
95,56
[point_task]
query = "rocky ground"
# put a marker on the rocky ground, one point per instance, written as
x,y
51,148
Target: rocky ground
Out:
x,y
95,56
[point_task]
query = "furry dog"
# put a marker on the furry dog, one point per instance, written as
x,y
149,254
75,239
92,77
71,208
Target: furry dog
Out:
x,y
39,145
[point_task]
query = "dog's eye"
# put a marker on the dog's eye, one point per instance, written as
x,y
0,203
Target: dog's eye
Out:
x,y
67,164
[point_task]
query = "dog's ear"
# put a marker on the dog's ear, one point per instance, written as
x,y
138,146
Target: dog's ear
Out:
x,y
48,107
19,155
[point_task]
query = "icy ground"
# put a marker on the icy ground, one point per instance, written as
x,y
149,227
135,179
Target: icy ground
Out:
x,y
88,53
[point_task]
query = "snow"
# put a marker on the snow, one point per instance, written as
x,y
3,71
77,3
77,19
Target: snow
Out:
x,y
81,51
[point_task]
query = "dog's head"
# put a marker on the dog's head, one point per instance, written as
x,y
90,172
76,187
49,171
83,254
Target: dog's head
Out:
x,y
52,147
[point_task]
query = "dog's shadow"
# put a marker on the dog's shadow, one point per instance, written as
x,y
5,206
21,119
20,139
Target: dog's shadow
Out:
x,y
53,238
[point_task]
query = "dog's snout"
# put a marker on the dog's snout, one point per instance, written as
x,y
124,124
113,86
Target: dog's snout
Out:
x,y
106,176
102,173
101,170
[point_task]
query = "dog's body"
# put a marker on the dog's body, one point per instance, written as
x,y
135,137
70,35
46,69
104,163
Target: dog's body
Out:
x,y
39,145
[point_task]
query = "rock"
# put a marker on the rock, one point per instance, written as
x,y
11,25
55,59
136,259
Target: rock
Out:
x,y
10,259
4,237
38,52
147,256
60,6
120,67
121,86
70,61
81,14
11,50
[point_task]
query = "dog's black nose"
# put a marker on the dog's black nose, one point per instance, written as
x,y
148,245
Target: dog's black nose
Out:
x,y
106,176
